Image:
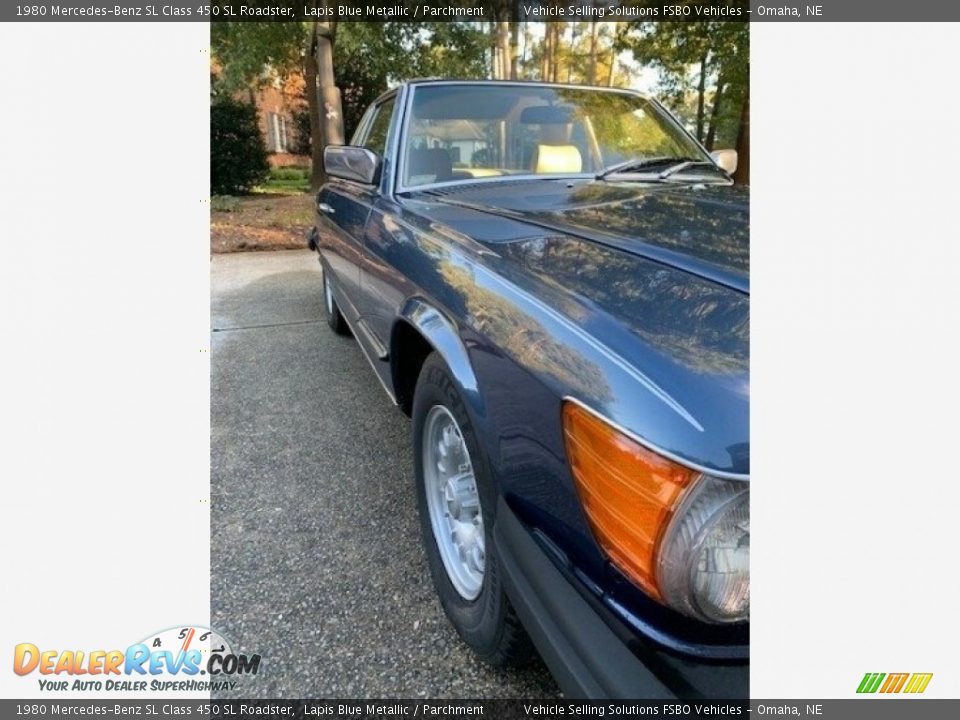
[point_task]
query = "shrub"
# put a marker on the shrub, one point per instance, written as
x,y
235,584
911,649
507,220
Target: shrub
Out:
x,y
238,155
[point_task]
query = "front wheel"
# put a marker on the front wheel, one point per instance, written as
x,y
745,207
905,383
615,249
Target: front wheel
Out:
x,y
334,317
456,501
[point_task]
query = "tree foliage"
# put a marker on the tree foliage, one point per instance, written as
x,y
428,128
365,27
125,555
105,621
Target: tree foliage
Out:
x,y
238,155
702,67
577,52
368,57
249,54
703,71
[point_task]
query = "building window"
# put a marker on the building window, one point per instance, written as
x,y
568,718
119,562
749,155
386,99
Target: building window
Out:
x,y
276,133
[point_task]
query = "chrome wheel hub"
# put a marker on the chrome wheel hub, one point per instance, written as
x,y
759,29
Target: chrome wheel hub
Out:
x,y
453,502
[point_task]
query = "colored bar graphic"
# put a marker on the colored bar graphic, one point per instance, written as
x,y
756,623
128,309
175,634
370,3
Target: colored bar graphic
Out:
x,y
870,682
918,682
895,682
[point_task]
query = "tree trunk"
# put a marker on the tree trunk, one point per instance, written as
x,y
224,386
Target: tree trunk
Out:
x,y
742,175
503,48
525,55
544,56
317,176
574,36
701,91
594,42
331,109
614,43
554,51
547,51
715,115
514,47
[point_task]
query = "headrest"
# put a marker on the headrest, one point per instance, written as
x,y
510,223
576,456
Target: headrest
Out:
x,y
555,134
558,159
547,115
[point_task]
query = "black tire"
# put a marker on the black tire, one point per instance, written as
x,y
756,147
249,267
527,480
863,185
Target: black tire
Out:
x,y
332,311
488,623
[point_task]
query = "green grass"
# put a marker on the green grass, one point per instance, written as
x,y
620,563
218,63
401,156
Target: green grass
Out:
x,y
224,203
286,181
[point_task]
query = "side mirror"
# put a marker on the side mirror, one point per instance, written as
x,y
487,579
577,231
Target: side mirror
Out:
x,y
350,162
726,159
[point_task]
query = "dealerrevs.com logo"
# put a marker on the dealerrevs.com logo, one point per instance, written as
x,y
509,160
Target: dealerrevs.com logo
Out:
x,y
191,658
911,683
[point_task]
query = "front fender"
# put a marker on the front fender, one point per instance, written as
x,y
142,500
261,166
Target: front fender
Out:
x,y
443,337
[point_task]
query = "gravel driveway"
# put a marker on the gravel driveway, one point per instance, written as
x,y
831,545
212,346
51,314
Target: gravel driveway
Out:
x,y
315,556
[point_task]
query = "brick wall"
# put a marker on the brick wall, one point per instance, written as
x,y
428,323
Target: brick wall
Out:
x,y
289,160
276,104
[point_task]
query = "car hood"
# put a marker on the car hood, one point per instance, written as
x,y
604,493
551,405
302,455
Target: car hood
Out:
x,y
604,293
703,229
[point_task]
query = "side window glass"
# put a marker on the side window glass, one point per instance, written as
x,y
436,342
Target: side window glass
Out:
x,y
377,136
355,138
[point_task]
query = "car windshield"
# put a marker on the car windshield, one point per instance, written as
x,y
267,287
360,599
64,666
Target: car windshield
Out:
x,y
472,131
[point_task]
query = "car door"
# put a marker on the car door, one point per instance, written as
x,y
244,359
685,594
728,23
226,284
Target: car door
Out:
x,y
343,207
377,280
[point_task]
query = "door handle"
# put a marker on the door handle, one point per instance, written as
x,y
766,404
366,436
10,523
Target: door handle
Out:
x,y
324,208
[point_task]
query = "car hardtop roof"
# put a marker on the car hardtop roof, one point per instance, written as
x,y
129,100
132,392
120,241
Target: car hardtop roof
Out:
x,y
429,81
475,81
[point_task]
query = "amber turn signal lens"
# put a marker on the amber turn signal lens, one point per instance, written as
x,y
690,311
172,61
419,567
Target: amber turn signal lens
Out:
x,y
628,492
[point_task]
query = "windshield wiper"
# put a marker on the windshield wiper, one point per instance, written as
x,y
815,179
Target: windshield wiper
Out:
x,y
677,164
637,164
681,166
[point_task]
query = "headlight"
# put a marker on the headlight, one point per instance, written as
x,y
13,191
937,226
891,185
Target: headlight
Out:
x,y
681,536
704,559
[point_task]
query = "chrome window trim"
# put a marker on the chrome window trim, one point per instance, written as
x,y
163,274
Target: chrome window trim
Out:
x,y
360,137
501,178
719,474
410,88
388,173
376,109
363,128
401,160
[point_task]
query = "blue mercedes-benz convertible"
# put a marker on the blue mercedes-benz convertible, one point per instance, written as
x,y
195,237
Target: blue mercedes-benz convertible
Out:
x,y
552,281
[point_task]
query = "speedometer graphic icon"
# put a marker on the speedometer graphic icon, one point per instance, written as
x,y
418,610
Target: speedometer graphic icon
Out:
x,y
216,653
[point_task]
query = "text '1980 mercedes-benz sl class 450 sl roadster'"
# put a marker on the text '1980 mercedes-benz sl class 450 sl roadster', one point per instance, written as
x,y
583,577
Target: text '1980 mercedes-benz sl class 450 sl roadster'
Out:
x,y
552,281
